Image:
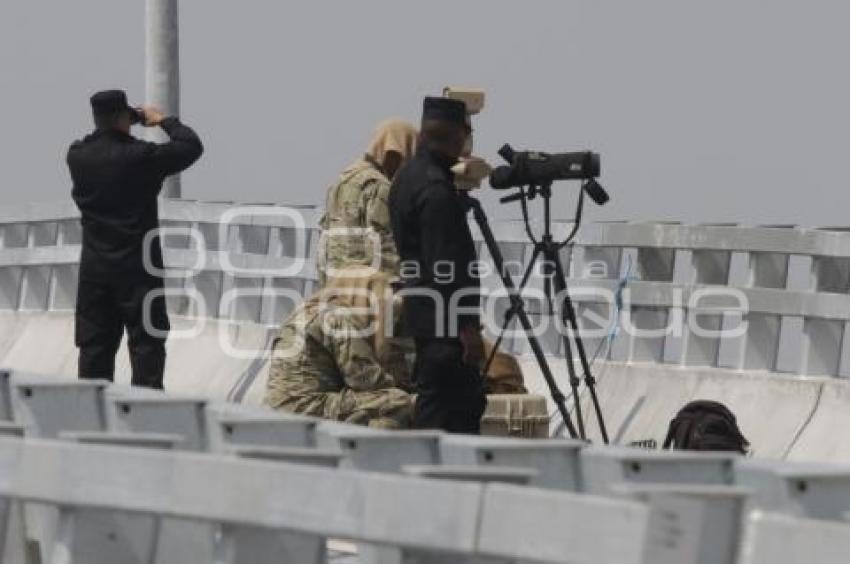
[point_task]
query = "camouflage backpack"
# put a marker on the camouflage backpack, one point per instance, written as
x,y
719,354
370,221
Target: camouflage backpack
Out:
x,y
705,425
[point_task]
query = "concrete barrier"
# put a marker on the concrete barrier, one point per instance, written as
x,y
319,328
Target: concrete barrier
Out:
x,y
713,518
556,462
46,407
339,503
560,526
781,539
605,468
822,437
501,474
116,494
229,431
328,458
638,399
381,451
794,280
801,489
102,536
145,412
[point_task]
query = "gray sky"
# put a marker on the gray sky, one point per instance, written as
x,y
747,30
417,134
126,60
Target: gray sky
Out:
x,y
703,111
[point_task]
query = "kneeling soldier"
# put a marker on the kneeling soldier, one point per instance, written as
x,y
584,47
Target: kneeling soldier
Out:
x,y
332,358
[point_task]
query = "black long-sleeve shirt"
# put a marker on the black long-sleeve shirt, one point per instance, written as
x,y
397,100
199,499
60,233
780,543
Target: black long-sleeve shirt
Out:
x,y
435,246
117,179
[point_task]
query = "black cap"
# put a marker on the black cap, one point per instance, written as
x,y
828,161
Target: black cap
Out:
x,y
444,109
108,102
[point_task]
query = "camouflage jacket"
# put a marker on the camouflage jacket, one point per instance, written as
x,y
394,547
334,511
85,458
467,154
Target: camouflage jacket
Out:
x,y
318,350
357,222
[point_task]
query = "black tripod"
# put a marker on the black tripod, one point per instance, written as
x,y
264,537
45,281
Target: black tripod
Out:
x,y
555,285
518,308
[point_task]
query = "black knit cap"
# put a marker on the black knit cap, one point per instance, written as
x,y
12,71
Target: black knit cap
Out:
x,y
109,102
444,109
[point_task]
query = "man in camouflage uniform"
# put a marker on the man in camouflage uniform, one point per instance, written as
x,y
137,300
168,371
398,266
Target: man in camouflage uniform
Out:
x,y
356,223
332,360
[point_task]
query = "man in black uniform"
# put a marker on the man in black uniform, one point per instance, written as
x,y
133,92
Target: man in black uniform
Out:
x,y
441,290
117,179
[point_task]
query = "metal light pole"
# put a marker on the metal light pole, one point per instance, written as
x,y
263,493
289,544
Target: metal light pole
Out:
x,y
162,70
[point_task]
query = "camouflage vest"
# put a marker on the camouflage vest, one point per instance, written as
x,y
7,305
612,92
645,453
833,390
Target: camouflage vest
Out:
x,y
356,223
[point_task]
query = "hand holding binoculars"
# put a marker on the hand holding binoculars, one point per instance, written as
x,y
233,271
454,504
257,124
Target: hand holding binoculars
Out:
x,y
148,116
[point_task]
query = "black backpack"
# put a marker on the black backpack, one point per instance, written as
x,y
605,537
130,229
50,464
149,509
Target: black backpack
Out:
x,y
705,425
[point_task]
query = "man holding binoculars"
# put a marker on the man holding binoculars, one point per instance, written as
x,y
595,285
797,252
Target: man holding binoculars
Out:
x,y
117,180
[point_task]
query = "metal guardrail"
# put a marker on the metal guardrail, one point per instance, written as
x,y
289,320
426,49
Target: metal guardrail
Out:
x,y
263,484
795,281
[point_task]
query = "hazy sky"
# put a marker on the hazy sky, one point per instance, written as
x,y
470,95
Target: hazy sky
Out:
x,y
722,110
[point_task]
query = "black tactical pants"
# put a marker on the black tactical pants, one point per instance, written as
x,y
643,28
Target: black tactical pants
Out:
x,y
108,305
450,393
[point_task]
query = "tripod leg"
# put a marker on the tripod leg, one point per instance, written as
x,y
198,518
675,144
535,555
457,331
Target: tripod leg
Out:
x,y
568,312
551,257
509,315
516,302
555,392
574,383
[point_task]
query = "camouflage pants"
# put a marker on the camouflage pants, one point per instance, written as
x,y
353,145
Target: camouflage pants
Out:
x,y
390,408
